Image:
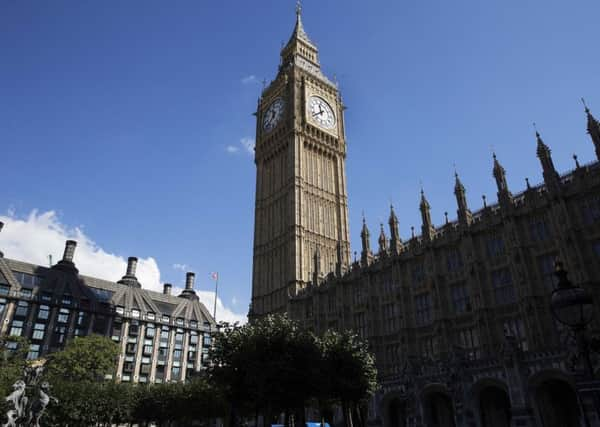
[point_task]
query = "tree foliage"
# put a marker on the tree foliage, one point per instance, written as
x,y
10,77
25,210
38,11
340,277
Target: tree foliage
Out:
x,y
84,359
273,366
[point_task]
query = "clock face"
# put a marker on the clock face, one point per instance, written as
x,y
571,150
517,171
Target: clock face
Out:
x,y
273,114
320,111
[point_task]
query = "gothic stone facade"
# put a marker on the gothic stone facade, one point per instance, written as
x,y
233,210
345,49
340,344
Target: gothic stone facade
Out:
x,y
162,337
458,316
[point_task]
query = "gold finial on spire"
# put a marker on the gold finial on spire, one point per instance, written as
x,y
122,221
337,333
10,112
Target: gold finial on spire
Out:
x,y
298,8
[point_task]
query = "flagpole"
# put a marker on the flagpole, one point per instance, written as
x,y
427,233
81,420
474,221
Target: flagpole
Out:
x,y
215,305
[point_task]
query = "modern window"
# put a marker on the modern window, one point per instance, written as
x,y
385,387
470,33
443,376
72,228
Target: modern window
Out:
x,y
150,330
22,309
193,324
207,340
63,315
26,292
3,303
43,312
166,318
504,291
38,331
67,299
178,341
46,296
134,328
460,299
423,309
4,290
120,310
100,323
175,373
150,315
179,321
26,279
34,352
60,333
16,328
116,331
135,313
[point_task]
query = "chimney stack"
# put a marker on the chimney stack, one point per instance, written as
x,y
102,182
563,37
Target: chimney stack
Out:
x,y
69,250
131,266
167,288
189,281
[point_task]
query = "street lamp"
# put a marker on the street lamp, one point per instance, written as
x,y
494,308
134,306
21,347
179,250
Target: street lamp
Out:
x,y
573,306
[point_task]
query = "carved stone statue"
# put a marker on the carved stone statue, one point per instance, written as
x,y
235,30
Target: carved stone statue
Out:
x,y
26,411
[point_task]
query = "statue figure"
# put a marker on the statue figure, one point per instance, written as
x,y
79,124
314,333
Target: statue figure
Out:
x,y
39,406
19,403
26,412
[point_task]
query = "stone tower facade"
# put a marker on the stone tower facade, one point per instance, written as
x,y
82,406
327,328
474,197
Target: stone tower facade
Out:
x,y
301,211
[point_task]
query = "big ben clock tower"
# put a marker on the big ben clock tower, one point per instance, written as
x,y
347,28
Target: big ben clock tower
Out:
x,y
301,212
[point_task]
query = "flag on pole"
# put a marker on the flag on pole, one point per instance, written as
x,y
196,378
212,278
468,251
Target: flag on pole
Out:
x,y
214,276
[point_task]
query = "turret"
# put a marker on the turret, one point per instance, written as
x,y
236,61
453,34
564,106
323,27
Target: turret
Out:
x,y
551,177
504,195
366,255
464,214
427,230
383,247
395,240
593,129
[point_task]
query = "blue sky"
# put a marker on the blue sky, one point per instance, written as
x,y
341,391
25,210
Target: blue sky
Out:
x,y
131,120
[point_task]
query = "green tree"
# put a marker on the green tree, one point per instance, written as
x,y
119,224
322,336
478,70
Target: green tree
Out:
x,y
266,367
349,372
84,359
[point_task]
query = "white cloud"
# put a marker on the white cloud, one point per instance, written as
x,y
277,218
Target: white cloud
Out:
x,y
249,79
248,144
34,237
231,149
182,267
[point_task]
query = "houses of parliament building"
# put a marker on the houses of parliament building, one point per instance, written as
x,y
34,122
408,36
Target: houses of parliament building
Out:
x,y
458,316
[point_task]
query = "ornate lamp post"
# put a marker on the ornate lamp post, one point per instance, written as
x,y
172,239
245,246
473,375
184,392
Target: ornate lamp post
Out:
x,y
573,306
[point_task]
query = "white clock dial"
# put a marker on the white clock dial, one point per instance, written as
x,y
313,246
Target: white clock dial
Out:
x,y
320,111
273,114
